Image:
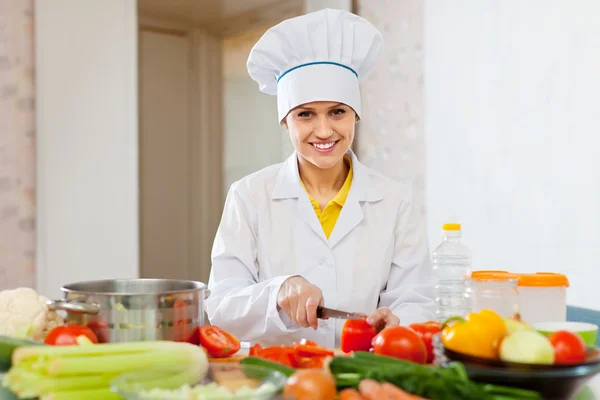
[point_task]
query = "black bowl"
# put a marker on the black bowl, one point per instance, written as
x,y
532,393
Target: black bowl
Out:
x,y
553,382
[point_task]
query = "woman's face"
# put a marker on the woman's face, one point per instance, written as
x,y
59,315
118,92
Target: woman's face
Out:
x,y
321,132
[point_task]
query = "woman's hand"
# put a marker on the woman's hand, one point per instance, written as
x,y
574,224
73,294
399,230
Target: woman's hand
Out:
x,y
383,318
299,299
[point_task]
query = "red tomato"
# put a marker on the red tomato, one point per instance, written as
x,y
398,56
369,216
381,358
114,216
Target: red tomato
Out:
x,y
67,335
568,347
400,342
217,342
357,335
426,331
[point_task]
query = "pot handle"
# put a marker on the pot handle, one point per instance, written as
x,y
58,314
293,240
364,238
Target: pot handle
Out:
x,y
77,308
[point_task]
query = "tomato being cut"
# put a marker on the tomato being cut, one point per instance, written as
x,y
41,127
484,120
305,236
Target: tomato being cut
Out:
x,y
568,347
426,331
400,342
357,335
217,342
66,335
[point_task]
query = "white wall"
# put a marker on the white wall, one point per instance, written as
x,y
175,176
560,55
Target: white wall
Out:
x,y
86,76
512,134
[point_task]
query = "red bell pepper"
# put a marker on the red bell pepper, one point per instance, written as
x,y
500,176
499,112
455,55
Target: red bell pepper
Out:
x,y
426,331
357,335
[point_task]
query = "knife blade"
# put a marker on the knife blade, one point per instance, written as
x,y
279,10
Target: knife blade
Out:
x,y
324,312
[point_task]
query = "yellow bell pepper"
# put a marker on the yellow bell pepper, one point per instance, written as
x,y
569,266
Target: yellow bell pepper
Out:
x,y
478,334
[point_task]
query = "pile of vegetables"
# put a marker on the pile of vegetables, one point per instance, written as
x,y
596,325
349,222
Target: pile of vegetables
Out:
x,y
487,335
346,374
413,342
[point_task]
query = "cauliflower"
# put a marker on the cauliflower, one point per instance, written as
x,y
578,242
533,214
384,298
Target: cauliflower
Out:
x,y
24,313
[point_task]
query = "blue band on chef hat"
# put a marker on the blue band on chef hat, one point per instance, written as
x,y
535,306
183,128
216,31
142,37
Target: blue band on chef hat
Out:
x,y
317,63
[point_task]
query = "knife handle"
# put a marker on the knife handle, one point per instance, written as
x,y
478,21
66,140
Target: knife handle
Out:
x,y
320,312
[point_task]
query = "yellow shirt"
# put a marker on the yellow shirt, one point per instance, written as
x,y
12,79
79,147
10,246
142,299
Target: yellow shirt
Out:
x,y
329,215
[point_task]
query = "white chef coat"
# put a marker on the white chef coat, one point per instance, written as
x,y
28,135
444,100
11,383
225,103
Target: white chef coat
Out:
x,y
377,255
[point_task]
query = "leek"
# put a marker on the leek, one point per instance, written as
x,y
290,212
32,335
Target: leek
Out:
x,y
85,372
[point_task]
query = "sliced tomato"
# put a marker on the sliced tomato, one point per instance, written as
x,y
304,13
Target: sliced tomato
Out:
x,y
67,335
306,350
217,342
357,335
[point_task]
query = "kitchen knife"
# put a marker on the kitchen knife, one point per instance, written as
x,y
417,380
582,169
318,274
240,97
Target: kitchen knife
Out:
x,y
324,312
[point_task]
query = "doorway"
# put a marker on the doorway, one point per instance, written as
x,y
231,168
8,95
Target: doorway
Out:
x,y
203,123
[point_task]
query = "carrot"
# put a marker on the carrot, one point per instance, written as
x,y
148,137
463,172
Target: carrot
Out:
x,y
372,390
395,393
350,394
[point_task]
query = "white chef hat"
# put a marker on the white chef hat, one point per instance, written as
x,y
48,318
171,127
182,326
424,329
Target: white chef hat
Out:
x,y
320,56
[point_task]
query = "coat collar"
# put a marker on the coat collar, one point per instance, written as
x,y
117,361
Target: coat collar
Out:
x,y
288,185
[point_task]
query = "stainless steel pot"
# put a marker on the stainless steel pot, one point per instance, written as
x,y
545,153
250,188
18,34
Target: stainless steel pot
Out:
x,y
125,310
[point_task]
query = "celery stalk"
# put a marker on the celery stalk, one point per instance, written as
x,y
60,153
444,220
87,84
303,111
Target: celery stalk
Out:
x,y
85,372
94,394
27,352
118,363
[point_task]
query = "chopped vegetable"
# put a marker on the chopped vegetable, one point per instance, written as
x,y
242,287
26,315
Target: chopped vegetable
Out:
x,y
478,335
426,331
310,384
305,354
69,334
400,342
357,335
24,314
218,342
84,372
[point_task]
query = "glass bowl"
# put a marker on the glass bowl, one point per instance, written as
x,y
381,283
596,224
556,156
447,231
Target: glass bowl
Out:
x,y
560,382
235,377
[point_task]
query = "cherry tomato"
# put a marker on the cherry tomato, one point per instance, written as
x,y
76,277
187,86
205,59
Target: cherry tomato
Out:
x,y
569,348
310,384
66,335
400,342
426,331
217,342
357,335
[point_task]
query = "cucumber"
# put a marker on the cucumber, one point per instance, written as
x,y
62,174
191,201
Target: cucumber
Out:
x,y
7,346
266,364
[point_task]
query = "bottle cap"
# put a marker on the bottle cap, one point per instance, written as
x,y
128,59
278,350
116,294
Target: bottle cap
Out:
x,y
451,227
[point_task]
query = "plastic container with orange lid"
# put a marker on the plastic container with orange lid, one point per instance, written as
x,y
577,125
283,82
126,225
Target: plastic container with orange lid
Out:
x,y
543,297
493,290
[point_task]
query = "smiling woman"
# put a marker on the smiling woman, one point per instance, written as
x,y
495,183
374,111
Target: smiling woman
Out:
x,y
320,228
